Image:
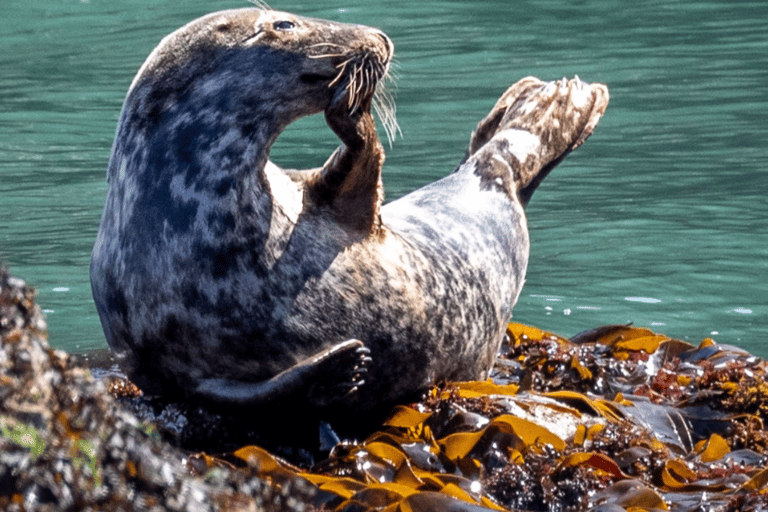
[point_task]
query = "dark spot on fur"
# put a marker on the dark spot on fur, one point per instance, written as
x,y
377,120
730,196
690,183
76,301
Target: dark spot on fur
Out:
x,y
192,298
218,261
224,186
221,223
157,211
116,298
158,351
182,216
313,78
191,140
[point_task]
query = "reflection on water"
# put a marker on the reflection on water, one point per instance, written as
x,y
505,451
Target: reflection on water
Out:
x,y
659,219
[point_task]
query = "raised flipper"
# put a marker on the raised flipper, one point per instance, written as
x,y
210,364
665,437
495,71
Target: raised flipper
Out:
x,y
350,181
329,376
533,126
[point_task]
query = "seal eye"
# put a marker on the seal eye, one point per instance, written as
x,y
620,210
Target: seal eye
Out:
x,y
284,25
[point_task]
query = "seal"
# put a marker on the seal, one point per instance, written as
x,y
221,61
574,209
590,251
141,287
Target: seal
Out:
x,y
222,277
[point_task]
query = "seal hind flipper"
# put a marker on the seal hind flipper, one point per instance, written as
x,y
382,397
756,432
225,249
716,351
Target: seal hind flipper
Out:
x,y
326,377
534,125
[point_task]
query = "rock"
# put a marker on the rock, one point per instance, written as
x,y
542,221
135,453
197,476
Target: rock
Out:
x,y
66,444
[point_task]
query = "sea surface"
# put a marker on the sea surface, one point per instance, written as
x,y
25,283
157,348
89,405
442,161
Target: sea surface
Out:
x,y
660,219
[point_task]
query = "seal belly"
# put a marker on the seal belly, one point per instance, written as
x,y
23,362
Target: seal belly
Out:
x,y
473,245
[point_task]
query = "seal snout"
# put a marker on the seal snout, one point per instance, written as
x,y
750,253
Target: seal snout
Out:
x,y
363,67
388,44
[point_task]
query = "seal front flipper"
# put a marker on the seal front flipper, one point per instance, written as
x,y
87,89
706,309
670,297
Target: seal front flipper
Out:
x,y
326,377
350,181
533,126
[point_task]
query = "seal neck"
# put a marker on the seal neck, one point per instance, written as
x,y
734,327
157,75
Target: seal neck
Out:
x,y
185,138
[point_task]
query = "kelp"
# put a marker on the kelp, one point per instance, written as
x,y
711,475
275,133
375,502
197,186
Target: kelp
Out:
x,y
616,418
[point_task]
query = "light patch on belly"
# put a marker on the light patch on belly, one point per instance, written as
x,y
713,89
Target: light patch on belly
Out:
x,y
286,194
287,205
522,143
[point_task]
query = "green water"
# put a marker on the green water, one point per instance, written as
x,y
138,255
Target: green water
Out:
x,y
659,219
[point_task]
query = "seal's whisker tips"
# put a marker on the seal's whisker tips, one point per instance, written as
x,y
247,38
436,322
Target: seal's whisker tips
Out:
x,y
261,4
315,45
359,82
363,77
369,81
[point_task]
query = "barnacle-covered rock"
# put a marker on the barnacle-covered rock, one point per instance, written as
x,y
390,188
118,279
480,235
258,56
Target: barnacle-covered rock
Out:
x,y
65,444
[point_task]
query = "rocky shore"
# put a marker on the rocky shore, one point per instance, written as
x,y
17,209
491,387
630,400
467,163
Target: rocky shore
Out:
x,y
67,444
617,418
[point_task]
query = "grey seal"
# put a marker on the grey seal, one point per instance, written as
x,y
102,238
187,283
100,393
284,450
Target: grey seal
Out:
x,y
222,277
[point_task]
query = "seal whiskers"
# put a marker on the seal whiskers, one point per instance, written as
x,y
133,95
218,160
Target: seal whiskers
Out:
x,y
377,75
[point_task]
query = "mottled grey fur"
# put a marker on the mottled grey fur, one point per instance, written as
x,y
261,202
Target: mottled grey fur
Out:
x,y
222,276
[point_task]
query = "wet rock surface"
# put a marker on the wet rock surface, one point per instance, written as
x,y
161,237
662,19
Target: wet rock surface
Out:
x,y
617,418
67,445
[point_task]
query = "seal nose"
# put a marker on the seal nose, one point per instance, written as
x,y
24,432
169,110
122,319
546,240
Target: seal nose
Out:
x,y
388,44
